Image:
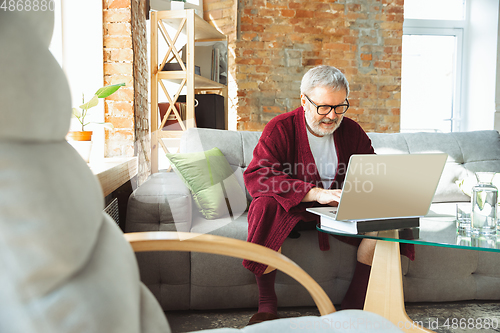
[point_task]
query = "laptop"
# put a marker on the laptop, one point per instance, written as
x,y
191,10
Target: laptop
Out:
x,y
387,187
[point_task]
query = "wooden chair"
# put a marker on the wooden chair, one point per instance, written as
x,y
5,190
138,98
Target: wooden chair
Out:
x,y
193,242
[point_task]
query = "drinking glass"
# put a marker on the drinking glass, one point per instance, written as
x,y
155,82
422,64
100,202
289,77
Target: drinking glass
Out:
x,y
484,203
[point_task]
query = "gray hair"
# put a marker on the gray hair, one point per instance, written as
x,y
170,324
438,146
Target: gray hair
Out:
x,y
323,76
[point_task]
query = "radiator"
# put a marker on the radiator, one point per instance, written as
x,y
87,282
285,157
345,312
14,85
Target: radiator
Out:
x,y
112,210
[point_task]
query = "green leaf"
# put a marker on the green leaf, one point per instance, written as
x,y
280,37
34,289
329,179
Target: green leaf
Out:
x,y
107,125
90,104
77,113
108,90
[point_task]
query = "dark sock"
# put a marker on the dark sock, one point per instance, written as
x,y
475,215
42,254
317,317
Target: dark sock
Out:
x,y
356,293
268,302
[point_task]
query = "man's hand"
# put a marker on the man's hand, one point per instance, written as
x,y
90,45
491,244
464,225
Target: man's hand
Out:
x,y
322,196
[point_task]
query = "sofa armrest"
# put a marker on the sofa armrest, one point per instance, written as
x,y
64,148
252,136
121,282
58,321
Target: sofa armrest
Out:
x,y
161,203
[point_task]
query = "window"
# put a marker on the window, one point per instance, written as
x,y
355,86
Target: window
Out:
x,y
434,9
79,51
431,72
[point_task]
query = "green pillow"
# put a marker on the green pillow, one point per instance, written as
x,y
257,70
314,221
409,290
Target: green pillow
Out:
x,y
211,181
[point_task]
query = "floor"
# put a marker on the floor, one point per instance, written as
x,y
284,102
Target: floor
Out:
x,y
440,317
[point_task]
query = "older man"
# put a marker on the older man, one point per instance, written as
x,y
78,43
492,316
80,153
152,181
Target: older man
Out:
x,y
300,161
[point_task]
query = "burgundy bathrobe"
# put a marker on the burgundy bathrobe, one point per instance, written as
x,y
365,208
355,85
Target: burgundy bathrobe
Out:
x,y
283,168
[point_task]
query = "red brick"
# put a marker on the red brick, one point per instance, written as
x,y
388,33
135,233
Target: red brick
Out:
x,y
307,30
275,6
366,56
121,15
248,35
120,29
279,29
115,79
119,4
300,13
249,61
117,42
337,46
118,68
122,55
268,12
312,62
118,108
262,69
382,64
272,109
254,126
263,21
121,122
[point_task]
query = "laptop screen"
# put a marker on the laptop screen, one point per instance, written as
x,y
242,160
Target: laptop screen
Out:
x,y
384,186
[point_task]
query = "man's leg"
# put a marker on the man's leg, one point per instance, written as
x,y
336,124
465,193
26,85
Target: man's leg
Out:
x,y
268,301
355,295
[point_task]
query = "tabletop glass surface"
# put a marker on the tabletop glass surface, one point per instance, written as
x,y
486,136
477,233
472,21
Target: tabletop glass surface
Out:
x,y
434,231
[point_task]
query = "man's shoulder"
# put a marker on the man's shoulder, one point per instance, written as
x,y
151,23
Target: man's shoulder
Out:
x,y
284,121
349,125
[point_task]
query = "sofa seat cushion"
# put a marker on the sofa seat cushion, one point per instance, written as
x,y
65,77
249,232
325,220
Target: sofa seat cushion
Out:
x,y
229,285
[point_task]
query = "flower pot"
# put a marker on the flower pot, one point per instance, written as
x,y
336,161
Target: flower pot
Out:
x,y
82,142
79,136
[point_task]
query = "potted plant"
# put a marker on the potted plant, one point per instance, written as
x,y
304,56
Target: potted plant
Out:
x,y
82,140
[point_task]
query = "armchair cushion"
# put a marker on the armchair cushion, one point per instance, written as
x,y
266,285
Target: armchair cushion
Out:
x,y
210,178
352,321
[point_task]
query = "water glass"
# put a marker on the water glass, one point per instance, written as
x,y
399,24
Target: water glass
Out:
x,y
463,216
484,205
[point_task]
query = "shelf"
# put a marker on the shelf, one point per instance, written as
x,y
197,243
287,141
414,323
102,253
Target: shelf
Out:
x,y
200,82
113,172
169,134
169,30
204,32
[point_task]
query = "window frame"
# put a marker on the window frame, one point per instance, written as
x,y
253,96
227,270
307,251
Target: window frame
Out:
x,y
456,28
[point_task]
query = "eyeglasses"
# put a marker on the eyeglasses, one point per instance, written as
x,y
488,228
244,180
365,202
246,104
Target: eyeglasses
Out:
x,y
323,110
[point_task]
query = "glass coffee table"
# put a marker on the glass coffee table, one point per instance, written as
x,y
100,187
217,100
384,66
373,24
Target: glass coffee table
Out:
x,y
385,288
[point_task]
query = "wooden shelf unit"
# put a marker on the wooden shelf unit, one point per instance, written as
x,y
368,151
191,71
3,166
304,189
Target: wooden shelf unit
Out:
x,y
196,30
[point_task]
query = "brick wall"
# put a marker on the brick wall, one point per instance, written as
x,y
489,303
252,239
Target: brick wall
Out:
x,y
125,60
280,40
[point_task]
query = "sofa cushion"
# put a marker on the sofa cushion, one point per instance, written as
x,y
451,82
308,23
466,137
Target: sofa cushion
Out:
x,y
237,147
208,175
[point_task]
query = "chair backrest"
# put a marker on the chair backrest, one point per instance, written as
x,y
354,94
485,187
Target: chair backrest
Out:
x,y
65,265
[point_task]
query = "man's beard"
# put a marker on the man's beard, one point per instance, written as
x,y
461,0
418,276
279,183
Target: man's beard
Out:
x,y
316,128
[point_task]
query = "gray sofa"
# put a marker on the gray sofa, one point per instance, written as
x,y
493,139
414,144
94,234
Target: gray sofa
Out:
x,y
202,281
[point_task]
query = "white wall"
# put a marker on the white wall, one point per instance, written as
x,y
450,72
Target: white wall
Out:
x,y
480,65
82,59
